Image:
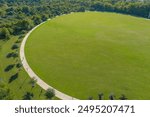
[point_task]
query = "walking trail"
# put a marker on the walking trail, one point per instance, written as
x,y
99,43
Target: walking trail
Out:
x,y
32,74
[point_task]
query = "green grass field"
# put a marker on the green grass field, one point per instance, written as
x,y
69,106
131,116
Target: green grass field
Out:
x,y
82,54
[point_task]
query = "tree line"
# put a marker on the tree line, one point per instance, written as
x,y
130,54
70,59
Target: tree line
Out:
x,y
19,16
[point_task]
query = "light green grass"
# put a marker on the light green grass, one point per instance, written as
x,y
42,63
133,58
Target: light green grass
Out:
x,y
82,54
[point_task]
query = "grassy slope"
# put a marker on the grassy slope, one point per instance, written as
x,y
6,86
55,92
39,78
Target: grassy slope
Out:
x,y
23,79
83,54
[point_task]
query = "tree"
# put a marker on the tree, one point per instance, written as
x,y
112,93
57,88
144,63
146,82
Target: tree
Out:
x,y
28,96
50,93
23,25
4,33
37,19
111,96
149,15
2,13
44,17
100,96
5,93
26,9
81,9
123,97
33,81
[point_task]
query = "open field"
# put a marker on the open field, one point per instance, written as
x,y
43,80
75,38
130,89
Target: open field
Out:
x,y
82,54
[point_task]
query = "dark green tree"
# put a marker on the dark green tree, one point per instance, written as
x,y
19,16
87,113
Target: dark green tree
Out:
x,y
44,17
100,96
37,19
33,82
28,96
123,97
5,93
23,25
4,33
50,93
112,96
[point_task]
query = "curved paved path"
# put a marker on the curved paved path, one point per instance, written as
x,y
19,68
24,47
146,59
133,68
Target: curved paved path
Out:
x,y
31,73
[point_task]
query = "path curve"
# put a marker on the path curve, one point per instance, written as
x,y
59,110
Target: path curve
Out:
x,y
31,73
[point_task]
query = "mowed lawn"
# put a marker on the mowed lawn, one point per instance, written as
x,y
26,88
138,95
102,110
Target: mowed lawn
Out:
x,y
82,54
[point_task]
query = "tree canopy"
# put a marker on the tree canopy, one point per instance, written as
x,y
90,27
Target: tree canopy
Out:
x,y
19,16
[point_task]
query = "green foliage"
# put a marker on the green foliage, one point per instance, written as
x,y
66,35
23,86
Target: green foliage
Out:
x,y
23,25
37,19
4,33
2,13
112,97
28,96
33,12
33,82
149,16
100,96
50,93
5,93
44,17
123,97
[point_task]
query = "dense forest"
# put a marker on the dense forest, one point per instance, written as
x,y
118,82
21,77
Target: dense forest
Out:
x,y
19,16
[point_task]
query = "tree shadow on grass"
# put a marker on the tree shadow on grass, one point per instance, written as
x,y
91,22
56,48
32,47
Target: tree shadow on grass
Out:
x,y
9,55
18,41
9,67
15,46
41,91
13,77
12,54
